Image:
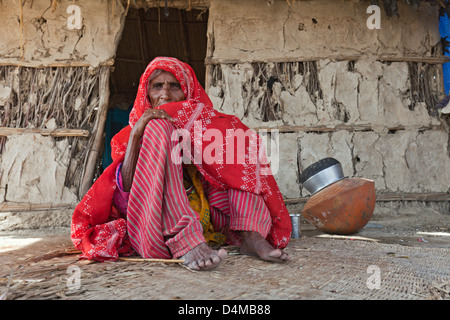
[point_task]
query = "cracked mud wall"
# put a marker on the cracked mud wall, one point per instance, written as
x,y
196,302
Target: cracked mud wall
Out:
x,y
407,161
368,92
402,147
35,170
46,38
254,31
315,64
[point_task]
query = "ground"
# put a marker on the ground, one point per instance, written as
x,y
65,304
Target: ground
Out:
x,y
394,257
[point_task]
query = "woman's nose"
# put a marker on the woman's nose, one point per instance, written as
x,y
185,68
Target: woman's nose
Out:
x,y
165,92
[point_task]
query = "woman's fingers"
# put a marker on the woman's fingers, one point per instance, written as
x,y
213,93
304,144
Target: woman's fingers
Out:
x,y
148,115
157,114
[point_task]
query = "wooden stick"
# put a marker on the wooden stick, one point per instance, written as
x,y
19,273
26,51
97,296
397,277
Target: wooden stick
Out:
x,y
99,129
213,60
347,127
336,236
21,29
414,196
23,207
61,132
152,260
7,62
338,57
424,59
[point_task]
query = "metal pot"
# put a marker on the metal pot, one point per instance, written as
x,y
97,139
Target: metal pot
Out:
x,y
321,174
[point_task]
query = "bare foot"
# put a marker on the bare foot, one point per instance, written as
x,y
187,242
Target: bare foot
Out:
x,y
255,245
202,257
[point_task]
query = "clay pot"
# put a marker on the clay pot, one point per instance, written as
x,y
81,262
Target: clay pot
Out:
x,y
343,207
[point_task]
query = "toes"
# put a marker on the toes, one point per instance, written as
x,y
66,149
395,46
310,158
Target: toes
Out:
x,y
208,264
193,265
273,255
222,253
204,258
285,257
277,253
215,259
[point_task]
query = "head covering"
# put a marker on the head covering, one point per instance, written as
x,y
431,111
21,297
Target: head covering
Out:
x,y
196,99
185,75
195,115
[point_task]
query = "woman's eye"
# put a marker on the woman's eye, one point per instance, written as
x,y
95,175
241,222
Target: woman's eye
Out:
x,y
157,86
175,86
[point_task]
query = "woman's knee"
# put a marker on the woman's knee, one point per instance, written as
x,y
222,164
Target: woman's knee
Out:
x,y
160,128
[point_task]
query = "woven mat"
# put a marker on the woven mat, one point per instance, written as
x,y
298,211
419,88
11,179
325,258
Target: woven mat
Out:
x,y
320,269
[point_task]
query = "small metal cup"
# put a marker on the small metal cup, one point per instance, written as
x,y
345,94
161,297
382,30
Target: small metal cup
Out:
x,y
295,220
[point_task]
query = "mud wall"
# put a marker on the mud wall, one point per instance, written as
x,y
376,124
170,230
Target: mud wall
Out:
x,y
257,31
333,87
42,33
51,56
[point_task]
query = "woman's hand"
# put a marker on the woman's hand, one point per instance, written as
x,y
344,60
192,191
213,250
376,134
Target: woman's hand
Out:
x,y
149,114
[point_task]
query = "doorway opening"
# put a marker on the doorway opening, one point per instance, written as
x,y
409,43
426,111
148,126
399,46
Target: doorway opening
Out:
x,y
149,33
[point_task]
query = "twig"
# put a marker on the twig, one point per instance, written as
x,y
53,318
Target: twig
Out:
x,y
333,236
152,260
186,267
320,287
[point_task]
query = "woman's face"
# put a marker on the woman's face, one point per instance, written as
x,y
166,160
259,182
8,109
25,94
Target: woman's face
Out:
x,y
164,88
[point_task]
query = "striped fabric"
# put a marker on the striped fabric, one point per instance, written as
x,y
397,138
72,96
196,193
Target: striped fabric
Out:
x,y
160,221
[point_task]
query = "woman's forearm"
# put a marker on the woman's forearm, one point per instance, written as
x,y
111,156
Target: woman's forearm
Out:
x,y
129,163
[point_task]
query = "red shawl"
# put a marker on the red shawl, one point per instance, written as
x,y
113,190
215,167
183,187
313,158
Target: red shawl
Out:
x,y
99,230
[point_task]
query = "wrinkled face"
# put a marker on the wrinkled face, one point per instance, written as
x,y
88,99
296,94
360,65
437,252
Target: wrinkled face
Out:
x,y
164,88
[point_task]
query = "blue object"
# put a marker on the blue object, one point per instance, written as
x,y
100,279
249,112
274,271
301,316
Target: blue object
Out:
x,y
444,29
116,120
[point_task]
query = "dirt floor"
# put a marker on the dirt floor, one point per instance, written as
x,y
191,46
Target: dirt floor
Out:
x,y
396,256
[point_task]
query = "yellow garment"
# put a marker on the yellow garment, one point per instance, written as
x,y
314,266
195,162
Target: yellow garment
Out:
x,y
199,203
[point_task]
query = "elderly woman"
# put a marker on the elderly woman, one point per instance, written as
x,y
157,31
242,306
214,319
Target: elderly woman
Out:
x,y
148,204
